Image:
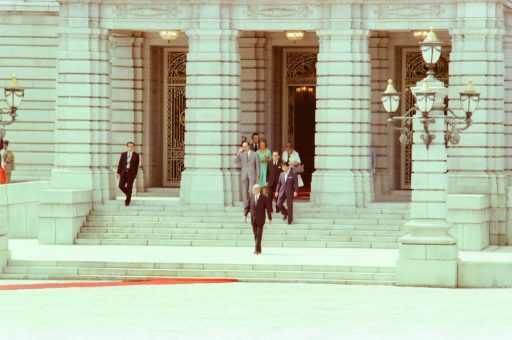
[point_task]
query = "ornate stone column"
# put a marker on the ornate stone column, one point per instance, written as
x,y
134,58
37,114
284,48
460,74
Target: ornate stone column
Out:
x,y
82,173
476,165
507,46
126,79
252,84
380,132
211,178
342,139
428,255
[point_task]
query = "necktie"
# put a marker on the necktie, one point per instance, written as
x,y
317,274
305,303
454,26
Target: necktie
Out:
x,y
256,200
275,163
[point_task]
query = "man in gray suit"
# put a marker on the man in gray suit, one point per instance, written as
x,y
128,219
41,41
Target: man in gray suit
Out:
x,y
250,169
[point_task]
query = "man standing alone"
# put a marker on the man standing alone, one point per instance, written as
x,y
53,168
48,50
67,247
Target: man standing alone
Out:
x,y
287,189
127,171
258,204
250,169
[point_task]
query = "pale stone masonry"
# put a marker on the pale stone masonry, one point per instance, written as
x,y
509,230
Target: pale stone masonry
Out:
x,y
93,73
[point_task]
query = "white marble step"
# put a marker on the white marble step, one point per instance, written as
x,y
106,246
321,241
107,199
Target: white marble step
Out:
x,y
87,270
234,243
246,230
277,225
301,208
238,237
210,219
238,214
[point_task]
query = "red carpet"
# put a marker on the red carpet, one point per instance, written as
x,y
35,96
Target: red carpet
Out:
x,y
114,284
304,194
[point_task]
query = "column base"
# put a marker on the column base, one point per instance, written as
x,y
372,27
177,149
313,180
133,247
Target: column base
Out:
x,y
341,188
102,182
427,273
62,214
5,254
428,258
202,188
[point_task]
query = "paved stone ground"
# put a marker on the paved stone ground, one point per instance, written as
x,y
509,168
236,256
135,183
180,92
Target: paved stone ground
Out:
x,y
256,311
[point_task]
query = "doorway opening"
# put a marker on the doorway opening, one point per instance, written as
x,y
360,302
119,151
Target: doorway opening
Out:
x,y
299,106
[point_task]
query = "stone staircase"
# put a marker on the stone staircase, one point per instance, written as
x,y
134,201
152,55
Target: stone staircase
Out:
x,y
272,273
166,223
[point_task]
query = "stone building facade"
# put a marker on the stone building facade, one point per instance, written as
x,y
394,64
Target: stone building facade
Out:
x,y
97,74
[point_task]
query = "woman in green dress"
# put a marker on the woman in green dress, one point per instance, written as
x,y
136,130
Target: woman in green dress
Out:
x,y
265,157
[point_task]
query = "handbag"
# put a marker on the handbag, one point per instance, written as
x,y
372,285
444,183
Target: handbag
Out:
x,y
299,169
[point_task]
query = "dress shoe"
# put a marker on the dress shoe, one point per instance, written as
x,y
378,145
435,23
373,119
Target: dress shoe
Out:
x,y
285,217
255,252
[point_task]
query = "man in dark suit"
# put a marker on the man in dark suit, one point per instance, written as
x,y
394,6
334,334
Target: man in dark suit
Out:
x,y
274,170
127,171
287,189
255,144
258,204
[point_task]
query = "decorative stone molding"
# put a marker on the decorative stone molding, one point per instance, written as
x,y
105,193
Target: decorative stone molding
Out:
x,y
258,11
408,11
163,12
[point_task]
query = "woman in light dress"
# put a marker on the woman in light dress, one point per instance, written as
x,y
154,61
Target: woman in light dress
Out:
x,y
265,156
291,156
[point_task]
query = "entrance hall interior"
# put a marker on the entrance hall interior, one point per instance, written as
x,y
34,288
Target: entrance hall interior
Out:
x,y
278,100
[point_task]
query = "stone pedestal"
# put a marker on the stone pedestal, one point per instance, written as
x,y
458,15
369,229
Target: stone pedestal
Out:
x,y
469,219
61,215
212,138
477,164
342,139
428,256
4,249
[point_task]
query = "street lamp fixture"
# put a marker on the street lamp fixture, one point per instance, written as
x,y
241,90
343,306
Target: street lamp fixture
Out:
x,y
13,96
425,97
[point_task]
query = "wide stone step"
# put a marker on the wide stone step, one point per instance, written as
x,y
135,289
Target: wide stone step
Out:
x,y
270,230
303,206
84,270
237,237
139,278
237,220
237,214
277,225
249,242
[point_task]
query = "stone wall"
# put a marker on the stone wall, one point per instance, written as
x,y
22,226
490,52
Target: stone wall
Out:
x,y
19,208
29,50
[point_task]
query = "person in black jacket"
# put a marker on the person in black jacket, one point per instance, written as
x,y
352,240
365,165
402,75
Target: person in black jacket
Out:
x,y
258,204
274,170
127,171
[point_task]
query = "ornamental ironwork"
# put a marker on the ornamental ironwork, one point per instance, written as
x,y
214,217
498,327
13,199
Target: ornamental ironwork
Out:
x,y
174,152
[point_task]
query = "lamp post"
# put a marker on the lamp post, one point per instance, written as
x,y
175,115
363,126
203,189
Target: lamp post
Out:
x,y
428,255
13,96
